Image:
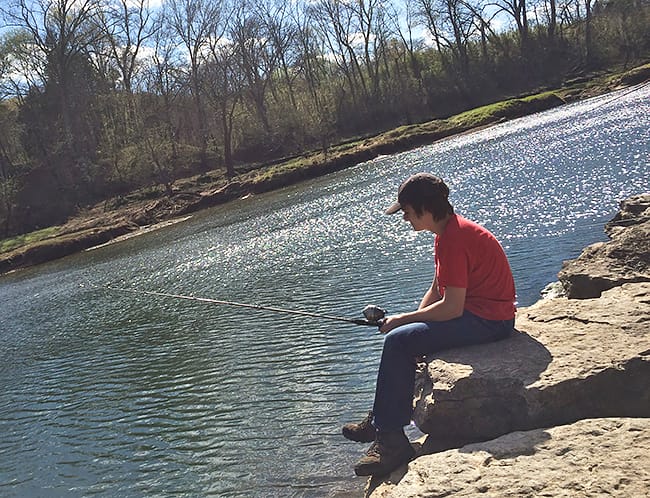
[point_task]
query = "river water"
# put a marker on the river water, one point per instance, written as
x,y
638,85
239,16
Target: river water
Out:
x,y
111,394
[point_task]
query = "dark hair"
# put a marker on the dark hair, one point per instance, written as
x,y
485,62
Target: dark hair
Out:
x,y
426,192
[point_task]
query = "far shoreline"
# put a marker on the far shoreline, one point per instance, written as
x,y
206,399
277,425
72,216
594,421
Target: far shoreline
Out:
x,y
115,220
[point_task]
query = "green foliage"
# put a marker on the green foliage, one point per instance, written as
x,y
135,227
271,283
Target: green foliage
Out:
x,y
12,243
507,109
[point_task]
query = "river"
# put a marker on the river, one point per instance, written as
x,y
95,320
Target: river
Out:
x,y
108,394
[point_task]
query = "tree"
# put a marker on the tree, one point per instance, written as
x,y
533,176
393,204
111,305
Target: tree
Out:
x,y
552,19
282,33
588,31
194,22
369,20
517,10
159,121
12,157
318,80
411,43
224,83
22,65
58,109
62,31
335,22
451,24
127,25
309,54
258,58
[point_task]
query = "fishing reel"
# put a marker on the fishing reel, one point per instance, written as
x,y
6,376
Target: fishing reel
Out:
x,y
374,314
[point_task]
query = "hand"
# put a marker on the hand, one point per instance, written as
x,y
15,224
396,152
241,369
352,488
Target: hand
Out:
x,y
391,322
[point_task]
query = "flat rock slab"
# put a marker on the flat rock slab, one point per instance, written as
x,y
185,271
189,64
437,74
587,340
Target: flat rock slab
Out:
x,y
590,458
573,359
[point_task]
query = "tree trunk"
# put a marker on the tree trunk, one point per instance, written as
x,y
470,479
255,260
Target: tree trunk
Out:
x,y
588,36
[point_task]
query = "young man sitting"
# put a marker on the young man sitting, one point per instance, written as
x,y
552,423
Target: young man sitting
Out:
x,y
471,301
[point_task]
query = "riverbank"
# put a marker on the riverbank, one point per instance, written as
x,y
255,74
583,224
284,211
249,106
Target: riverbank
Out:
x,y
145,210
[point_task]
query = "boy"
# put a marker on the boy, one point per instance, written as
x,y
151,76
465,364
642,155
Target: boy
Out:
x,y
471,301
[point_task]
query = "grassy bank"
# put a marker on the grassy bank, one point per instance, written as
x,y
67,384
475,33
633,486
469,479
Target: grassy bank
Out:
x,y
116,217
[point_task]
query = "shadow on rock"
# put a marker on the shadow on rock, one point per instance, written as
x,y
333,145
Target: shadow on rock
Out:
x,y
479,392
513,445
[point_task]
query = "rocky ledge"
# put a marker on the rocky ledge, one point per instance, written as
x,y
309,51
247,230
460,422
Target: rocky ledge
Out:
x,y
625,258
561,407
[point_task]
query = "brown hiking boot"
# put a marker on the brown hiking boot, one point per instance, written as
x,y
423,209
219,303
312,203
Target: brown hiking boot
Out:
x,y
363,432
390,450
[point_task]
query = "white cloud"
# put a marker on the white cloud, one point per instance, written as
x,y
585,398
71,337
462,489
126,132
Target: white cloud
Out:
x,y
152,4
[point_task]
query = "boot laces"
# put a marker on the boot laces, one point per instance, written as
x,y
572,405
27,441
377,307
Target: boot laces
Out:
x,y
375,449
366,422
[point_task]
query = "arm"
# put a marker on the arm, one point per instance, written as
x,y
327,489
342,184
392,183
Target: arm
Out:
x,y
431,296
447,308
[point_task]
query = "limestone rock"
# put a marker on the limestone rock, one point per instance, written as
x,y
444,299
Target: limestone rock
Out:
x,y
590,458
572,359
634,210
625,258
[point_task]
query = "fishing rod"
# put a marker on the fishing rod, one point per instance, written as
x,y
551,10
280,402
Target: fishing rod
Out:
x,y
373,314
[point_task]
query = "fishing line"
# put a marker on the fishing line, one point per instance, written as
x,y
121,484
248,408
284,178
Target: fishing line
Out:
x,y
373,314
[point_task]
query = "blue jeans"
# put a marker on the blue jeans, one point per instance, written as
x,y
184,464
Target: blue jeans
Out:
x,y
393,405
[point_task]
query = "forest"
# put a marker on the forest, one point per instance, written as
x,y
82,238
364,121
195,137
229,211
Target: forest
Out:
x,y
102,97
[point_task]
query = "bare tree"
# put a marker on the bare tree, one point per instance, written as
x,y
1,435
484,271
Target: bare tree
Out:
x,y
552,18
127,25
589,4
310,59
194,22
336,24
518,11
165,80
282,33
62,31
411,42
258,57
315,69
369,20
451,24
224,81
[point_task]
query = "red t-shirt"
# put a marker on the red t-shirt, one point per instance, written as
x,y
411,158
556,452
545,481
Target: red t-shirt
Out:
x,y
469,257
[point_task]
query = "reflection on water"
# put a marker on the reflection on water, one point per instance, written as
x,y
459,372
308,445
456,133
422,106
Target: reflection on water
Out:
x,y
112,394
